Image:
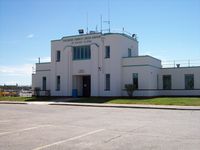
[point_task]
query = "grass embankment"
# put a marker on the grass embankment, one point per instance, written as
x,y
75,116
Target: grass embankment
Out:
x,y
181,101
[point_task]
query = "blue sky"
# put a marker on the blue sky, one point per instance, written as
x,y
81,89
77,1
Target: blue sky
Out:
x,y
166,29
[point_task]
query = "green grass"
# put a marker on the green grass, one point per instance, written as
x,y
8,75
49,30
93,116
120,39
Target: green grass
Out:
x,y
180,101
8,98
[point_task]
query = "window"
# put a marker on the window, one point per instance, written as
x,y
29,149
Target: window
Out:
x,y
57,56
107,80
81,52
167,82
107,52
58,83
157,81
189,81
44,83
129,52
135,80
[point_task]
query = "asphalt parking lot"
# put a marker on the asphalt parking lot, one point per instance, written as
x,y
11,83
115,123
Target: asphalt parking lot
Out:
x,y
38,127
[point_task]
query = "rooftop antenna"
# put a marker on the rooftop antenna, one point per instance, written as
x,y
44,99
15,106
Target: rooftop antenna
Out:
x,y
109,16
87,23
101,19
96,28
108,21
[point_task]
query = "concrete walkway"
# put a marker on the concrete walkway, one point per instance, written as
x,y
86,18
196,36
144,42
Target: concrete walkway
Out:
x,y
141,106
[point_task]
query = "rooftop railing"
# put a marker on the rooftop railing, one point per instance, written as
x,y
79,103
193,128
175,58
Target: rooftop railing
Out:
x,y
180,63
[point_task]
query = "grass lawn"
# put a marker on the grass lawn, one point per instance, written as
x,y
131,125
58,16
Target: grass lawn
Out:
x,y
181,101
8,98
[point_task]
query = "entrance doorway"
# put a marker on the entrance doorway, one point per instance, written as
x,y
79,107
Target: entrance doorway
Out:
x,y
86,86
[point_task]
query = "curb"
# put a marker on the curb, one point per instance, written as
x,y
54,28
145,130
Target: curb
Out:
x,y
167,107
8,102
125,106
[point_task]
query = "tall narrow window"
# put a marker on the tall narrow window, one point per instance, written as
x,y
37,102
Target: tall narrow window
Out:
x,y
107,80
167,83
44,83
58,83
157,81
135,80
57,56
189,81
107,52
129,52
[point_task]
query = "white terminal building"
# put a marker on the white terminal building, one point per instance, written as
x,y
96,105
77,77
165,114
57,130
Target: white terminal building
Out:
x,y
98,64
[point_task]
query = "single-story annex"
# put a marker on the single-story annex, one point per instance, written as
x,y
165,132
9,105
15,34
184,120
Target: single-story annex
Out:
x,y
100,64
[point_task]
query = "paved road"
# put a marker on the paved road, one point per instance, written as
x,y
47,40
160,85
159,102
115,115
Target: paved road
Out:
x,y
38,127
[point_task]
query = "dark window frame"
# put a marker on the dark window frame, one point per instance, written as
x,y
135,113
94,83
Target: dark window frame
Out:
x,y
167,82
189,81
135,80
44,83
107,51
58,56
81,52
58,83
129,52
107,82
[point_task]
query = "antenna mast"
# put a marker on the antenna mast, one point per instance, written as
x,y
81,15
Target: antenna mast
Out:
x,y
109,16
101,19
87,23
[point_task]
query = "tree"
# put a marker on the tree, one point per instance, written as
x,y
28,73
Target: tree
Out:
x,y
129,89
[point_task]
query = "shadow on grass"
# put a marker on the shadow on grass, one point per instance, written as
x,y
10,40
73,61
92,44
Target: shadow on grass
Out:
x,y
82,99
105,99
45,98
91,100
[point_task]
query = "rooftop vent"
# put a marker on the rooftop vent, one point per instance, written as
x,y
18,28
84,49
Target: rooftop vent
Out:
x,y
81,31
92,32
133,35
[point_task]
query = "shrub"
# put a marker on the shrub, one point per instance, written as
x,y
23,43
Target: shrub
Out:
x,y
129,89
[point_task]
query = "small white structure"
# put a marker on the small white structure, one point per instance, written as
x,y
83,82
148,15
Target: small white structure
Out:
x,y
99,64
25,93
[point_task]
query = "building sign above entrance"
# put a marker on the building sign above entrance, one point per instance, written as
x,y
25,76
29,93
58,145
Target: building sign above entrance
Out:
x,y
82,40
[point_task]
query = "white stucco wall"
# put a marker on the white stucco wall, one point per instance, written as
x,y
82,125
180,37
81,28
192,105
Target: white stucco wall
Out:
x,y
119,66
148,68
178,81
178,76
67,67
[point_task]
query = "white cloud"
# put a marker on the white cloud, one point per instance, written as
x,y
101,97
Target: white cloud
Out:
x,y
17,70
30,36
16,74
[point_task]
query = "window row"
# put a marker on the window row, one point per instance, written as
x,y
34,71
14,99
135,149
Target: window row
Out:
x,y
81,52
189,82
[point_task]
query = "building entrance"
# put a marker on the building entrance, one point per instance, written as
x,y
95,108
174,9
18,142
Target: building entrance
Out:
x,y
86,86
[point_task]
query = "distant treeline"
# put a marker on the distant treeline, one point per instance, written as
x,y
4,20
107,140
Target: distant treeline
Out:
x,y
14,88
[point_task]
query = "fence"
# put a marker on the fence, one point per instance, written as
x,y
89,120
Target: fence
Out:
x,y
180,63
